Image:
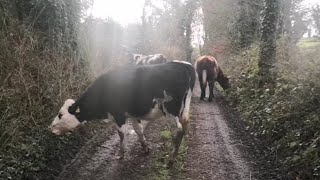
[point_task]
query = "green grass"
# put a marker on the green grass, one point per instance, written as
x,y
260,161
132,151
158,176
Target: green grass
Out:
x,y
307,43
159,163
165,135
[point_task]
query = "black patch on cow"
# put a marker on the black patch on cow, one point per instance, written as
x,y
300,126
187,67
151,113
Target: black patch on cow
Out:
x,y
132,89
119,118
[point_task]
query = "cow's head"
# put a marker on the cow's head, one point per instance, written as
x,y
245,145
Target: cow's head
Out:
x,y
65,121
224,82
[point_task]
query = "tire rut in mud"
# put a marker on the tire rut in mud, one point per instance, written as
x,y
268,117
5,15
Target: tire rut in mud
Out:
x,y
212,153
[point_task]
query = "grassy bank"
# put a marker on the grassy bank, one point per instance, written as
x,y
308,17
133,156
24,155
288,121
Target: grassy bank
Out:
x,y
286,115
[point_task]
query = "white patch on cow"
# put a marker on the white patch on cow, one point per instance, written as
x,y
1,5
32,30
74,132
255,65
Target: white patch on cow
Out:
x,y
167,98
155,112
179,126
182,107
204,76
185,113
67,122
183,62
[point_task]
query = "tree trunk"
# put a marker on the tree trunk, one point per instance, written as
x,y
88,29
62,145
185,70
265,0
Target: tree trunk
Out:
x,y
268,42
191,7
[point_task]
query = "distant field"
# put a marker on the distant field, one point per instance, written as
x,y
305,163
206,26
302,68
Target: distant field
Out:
x,y
306,43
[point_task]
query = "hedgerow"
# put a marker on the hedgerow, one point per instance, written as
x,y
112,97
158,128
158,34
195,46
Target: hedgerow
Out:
x,y
284,115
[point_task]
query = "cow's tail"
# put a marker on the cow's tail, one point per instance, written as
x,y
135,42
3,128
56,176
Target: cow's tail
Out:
x,y
204,76
188,96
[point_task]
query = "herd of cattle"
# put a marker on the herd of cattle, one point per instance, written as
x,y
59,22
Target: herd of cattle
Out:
x,y
150,89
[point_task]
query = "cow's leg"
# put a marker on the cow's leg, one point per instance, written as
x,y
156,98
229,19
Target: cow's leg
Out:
x,y
211,85
120,120
203,90
176,141
203,86
121,150
139,130
181,126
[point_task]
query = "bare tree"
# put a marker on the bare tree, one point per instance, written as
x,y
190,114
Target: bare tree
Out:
x,y
246,27
190,9
217,17
292,20
168,29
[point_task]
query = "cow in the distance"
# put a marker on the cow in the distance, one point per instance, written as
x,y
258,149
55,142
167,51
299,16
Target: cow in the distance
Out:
x,y
149,59
208,73
136,92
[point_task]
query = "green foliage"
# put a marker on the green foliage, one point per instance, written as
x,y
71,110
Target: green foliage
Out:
x,y
285,116
39,69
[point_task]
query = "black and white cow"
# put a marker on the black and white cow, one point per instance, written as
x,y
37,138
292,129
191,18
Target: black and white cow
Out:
x,y
138,92
149,59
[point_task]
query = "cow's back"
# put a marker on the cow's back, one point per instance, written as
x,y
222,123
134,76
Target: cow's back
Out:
x,y
207,63
133,89
152,80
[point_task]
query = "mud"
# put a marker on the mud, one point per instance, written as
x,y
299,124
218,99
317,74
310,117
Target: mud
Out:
x,y
212,154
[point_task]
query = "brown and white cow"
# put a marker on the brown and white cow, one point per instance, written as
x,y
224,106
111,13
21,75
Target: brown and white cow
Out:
x,y
208,73
145,92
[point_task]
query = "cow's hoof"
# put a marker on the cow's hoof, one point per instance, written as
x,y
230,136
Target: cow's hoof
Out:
x,y
210,99
202,98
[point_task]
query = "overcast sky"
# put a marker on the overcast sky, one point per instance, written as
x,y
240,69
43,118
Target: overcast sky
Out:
x,y
122,11
130,11
310,2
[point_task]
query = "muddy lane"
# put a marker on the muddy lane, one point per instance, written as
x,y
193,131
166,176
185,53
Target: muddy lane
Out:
x,y
212,153
99,161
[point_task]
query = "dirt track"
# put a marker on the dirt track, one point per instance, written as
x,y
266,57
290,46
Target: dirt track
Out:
x,y
213,152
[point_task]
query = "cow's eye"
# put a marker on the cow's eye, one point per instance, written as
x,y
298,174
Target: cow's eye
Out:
x,y
60,115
